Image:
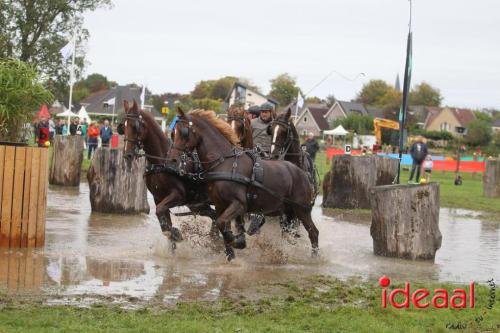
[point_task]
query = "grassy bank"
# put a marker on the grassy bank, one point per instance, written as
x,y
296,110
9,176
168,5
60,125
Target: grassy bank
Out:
x,y
317,304
469,195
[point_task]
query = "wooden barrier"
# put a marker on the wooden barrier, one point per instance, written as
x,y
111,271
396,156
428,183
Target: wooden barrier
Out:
x,y
491,179
21,270
23,196
66,161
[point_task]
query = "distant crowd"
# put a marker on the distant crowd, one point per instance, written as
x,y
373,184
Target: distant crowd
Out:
x,y
95,134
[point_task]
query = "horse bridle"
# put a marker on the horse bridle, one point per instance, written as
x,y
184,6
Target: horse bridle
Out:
x,y
138,124
285,146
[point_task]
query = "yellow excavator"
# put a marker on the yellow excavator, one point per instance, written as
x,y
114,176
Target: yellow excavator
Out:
x,y
378,124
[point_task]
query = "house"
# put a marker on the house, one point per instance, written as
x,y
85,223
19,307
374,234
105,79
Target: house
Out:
x,y
313,119
242,94
496,126
342,109
109,103
448,119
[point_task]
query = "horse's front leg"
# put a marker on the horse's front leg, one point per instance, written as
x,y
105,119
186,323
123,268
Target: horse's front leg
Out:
x,y
163,213
240,241
234,209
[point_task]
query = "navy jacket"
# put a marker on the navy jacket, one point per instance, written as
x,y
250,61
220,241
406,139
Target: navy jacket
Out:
x,y
105,134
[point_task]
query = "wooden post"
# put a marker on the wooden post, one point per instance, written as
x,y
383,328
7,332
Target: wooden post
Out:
x,y
23,196
405,221
351,177
117,185
66,162
491,178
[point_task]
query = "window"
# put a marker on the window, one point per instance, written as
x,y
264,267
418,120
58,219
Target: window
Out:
x,y
240,95
305,119
444,127
460,130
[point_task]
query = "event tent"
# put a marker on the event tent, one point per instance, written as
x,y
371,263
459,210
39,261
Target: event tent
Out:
x,y
337,131
82,114
43,113
66,113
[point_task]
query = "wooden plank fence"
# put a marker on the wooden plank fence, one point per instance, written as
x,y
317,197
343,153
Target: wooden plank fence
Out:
x,y
23,196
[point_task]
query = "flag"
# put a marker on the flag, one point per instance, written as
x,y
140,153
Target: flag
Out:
x,y
404,102
143,96
110,101
173,123
67,50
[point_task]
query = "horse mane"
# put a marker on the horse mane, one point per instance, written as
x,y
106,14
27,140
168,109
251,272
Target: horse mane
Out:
x,y
236,111
153,126
223,127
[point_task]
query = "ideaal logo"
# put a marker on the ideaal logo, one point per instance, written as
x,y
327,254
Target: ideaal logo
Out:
x,y
422,298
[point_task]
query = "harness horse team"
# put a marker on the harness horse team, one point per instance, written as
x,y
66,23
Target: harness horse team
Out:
x,y
250,165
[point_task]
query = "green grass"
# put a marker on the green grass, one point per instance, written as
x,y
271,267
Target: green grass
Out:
x,y
318,304
469,195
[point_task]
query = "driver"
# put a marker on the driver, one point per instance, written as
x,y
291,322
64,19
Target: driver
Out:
x,y
261,137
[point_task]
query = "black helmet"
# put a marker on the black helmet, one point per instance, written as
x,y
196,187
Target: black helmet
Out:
x,y
267,107
255,109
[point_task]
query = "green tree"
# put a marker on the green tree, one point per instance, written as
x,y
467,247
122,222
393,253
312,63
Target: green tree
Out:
x,y
372,93
391,100
425,94
313,100
20,95
361,124
284,89
221,87
330,100
34,31
483,117
91,84
478,133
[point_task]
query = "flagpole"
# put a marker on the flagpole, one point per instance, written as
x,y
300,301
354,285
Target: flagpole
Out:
x,y
404,102
71,78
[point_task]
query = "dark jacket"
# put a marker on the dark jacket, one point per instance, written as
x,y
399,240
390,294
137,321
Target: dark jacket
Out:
x,y
312,147
418,151
72,129
105,133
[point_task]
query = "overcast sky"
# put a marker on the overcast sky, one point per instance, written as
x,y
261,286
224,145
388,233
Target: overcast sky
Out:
x,y
170,45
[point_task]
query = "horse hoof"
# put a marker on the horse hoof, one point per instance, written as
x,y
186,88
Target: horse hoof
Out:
x,y
175,235
230,254
239,242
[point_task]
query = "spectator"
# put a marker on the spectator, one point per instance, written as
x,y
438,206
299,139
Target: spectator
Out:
x,y
261,137
85,126
312,146
59,127
428,168
64,128
75,127
93,134
42,132
106,132
52,129
418,152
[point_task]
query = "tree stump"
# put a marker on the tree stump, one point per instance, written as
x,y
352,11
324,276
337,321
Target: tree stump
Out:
x,y
117,185
351,177
405,221
66,161
491,179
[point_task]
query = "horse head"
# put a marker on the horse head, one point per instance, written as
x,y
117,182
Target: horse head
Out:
x,y
282,133
133,128
185,138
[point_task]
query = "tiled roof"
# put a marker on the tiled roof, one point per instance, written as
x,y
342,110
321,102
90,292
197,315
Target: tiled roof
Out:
x,y
350,107
318,112
496,123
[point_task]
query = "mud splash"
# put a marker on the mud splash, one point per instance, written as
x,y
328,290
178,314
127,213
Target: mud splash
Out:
x,y
89,257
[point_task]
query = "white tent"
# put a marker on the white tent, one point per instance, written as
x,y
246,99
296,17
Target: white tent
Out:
x,y
82,114
337,131
66,113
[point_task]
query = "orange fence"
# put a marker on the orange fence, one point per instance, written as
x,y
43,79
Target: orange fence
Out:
x,y
23,196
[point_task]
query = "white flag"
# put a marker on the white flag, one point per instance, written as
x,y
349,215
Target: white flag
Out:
x,y
67,50
300,101
143,96
110,101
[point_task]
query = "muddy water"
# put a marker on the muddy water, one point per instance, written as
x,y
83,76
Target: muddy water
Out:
x,y
89,255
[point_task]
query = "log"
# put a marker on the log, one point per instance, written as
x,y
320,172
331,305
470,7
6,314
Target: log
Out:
x,y
66,161
117,185
491,179
405,221
351,177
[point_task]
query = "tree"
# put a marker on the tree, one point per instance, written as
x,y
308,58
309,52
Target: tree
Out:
x,y
313,100
92,84
425,94
391,100
19,98
284,89
34,31
361,124
483,117
330,100
221,87
372,93
478,133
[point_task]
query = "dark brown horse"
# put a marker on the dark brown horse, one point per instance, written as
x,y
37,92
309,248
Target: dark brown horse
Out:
x,y
285,145
238,182
241,125
168,189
